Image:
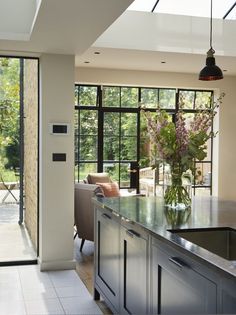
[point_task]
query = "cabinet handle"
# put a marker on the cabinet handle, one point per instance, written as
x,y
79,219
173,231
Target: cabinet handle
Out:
x,y
132,233
106,216
178,262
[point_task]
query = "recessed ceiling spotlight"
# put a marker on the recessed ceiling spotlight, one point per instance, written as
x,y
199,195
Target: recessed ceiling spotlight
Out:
x,y
97,53
163,62
86,61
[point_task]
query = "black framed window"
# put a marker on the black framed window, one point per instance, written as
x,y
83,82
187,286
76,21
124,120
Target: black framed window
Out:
x,y
110,132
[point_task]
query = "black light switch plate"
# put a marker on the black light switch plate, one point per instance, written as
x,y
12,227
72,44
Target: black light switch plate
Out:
x,y
59,157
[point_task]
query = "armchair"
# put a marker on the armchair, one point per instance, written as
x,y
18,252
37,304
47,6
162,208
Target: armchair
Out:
x,y
83,209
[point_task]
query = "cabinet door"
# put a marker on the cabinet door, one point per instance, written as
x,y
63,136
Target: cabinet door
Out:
x,y
228,296
107,256
179,289
134,272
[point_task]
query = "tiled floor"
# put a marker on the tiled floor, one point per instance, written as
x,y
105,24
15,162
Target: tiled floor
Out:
x,y
26,290
85,268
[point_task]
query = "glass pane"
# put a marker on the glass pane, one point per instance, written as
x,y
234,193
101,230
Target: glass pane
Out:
x,y
203,100
144,143
124,175
111,148
128,148
88,122
88,148
111,96
203,174
76,122
193,7
87,95
85,169
188,119
76,143
202,192
149,98
128,124
140,5
129,97
113,170
186,99
208,150
111,124
9,115
167,98
76,95
76,172
232,14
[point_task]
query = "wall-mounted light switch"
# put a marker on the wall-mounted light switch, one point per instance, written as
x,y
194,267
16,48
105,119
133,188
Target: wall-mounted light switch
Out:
x,y
59,157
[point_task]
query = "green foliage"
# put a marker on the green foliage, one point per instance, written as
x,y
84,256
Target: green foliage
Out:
x,y
9,112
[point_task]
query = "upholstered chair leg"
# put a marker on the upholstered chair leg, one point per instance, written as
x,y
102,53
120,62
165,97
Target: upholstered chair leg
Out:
x,y
81,245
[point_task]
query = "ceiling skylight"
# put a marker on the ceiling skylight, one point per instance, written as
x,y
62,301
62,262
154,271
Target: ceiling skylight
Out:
x,y
187,7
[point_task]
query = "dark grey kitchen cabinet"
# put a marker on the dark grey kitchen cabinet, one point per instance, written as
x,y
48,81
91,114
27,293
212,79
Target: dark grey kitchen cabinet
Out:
x,y
178,288
138,271
107,266
134,271
228,296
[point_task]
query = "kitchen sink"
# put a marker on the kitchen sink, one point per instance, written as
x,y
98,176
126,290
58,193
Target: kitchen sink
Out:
x,y
220,241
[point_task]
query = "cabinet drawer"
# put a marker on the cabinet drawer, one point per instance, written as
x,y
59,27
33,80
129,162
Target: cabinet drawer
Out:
x,y
107,270
134,272
177,287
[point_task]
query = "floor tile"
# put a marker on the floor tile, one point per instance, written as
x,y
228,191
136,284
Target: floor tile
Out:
x,y
44,307
7,307
14,294
39,293
32,277
64,278
80,305
79,290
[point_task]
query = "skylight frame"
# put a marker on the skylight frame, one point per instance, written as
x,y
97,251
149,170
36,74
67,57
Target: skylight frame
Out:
x,y
221,9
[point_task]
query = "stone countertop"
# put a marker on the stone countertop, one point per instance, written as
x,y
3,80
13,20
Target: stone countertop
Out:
x,y
150,213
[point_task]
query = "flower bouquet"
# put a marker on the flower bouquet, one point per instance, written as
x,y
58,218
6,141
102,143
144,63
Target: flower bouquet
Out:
x,y
178,145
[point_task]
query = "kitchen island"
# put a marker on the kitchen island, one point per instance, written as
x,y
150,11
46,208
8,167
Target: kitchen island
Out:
x,y
143,265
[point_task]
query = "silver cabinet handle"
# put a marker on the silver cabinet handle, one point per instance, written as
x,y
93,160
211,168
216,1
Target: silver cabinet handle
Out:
x,y
106,216
132,233
178,262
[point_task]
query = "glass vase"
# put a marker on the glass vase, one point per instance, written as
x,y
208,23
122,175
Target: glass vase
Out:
x,y
178,189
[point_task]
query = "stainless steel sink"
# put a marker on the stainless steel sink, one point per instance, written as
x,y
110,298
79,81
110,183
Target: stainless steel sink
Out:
x,y
220,241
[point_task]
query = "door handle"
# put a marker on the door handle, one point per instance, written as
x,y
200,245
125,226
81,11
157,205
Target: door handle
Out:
x,y
132,171
178,262
106,216
132,233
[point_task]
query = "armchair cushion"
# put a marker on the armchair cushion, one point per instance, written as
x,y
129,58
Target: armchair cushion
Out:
x,y
94,178
110,189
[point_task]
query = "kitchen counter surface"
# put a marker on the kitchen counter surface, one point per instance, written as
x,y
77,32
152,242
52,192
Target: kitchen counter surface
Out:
x,y
150,213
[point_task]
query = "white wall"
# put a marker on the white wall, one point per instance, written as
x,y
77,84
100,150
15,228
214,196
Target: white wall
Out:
x,y
225,170
56,189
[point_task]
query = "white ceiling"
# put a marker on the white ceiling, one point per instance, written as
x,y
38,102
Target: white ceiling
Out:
x,y
16,18
61,26
132,40
141,40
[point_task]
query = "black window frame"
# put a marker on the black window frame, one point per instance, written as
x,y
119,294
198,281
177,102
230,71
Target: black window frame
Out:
x,y
172,111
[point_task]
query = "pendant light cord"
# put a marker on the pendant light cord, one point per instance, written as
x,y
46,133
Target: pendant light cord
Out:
x,y
211,27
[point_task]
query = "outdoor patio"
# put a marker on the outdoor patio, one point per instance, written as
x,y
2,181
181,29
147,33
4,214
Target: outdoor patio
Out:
x,y
15,241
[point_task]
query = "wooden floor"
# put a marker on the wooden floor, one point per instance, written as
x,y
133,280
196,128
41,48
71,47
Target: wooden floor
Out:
x,y
84,267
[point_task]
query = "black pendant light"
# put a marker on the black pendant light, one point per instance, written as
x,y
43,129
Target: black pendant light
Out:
x,y
210,72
